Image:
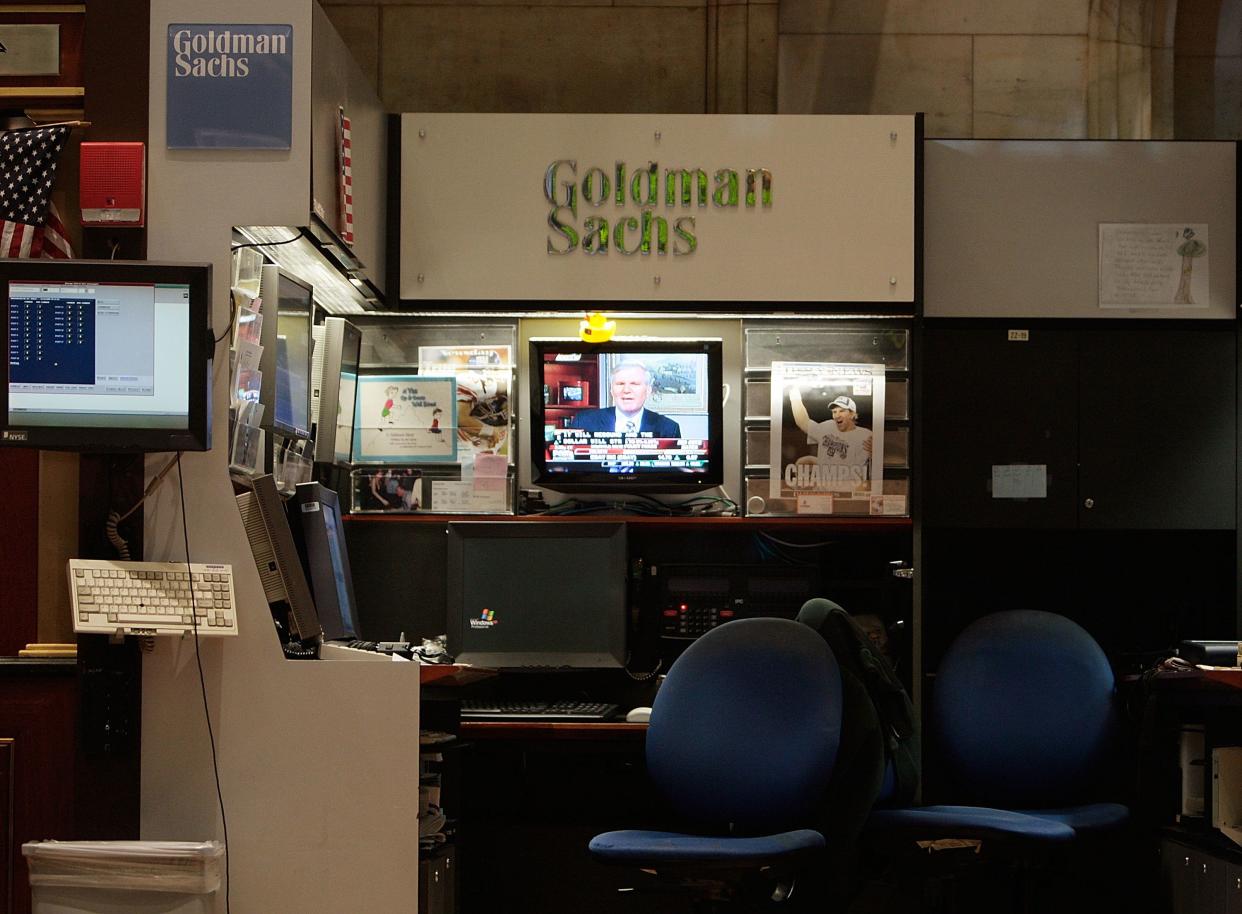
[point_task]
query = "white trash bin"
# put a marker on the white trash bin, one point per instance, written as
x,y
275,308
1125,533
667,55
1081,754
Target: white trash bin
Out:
x,y
123,877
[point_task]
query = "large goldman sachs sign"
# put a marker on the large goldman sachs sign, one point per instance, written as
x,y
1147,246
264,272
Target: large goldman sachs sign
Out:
x,y
593,211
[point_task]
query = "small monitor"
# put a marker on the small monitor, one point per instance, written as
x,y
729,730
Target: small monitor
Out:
x,y
628,415
107,355
335,389
321,540
537,594
276,556
287,348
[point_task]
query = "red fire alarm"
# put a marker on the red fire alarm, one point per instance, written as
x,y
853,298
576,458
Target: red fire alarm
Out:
x,y
113,188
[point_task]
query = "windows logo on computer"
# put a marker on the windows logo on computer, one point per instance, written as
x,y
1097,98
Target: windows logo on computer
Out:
x,y
487,619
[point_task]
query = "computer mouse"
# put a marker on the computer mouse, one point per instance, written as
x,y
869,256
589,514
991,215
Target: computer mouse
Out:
x,y
638,716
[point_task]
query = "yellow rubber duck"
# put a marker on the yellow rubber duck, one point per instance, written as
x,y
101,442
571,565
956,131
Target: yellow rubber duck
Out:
x,y
596,328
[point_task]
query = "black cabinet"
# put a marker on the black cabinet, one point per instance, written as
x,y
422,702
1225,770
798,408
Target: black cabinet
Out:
x,y
1198,881
1157,429
1136,427
437,883
988,401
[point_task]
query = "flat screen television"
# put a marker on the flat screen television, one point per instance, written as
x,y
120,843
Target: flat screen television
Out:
x,y
627,415
320,536
295,313
285,388
537,594
107,355
334,390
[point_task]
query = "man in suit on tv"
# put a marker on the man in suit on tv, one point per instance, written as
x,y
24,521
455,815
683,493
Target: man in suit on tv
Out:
x,y
631,386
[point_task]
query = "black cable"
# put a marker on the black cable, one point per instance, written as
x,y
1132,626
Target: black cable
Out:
x,y
233,249
228,331
775,539
202,684
265,244
647,506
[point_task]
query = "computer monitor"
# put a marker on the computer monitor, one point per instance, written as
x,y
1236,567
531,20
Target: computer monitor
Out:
x,y
628,415
286,359
321,540
107,355
537,594
334,389
276,556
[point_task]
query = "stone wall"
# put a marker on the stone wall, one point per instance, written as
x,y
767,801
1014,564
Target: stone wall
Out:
x,y
1099,69
676,56
980,68
1208,83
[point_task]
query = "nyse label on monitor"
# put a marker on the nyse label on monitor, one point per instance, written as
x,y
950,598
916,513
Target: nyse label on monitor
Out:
x,y
230,86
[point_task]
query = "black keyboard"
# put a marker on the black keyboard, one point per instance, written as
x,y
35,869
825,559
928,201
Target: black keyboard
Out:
x,y
478,709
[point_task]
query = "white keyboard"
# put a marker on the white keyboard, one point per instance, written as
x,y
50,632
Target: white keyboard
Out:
x,y
151,598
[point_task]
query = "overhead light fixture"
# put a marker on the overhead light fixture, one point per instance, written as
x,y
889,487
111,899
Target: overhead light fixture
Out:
x,y
335,291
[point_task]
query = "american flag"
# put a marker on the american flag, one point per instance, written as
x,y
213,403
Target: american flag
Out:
x,y
29,223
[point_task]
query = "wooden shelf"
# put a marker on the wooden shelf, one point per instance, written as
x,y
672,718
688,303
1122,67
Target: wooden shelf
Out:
x,y
639,521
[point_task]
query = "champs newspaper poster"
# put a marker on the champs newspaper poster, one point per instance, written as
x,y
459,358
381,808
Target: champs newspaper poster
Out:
x,y
827,430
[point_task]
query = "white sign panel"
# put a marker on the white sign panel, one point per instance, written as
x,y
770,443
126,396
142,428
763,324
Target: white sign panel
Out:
x,y
658,207
1018,480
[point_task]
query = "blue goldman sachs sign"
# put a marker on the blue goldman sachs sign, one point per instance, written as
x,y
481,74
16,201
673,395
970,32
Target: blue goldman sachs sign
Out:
x,y
230,86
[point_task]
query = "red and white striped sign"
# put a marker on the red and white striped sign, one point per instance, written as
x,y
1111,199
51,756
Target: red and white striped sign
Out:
x,y
345,157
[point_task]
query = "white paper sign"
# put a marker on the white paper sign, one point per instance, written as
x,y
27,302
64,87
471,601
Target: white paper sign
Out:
x,y
454,496
814,504
1019,480
1154,265
889,505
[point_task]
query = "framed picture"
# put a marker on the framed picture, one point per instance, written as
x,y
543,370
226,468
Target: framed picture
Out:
x,y
42,62
386,490
405,419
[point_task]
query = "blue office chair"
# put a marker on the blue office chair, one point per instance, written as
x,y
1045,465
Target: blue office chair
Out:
x,y
742,741
1023,718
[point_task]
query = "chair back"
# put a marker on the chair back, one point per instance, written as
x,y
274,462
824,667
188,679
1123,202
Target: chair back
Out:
x,y
1023,710
745,729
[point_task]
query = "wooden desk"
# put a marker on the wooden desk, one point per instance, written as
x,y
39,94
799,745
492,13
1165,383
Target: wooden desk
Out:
x,y
452,674
1200,687
552,730
1211,679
